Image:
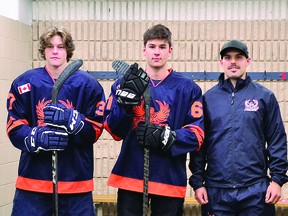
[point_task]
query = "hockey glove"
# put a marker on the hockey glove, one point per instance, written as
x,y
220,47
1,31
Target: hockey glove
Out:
x,y
155,136
58,115
132,86
46,138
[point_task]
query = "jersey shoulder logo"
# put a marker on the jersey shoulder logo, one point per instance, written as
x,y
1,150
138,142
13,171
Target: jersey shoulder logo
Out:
x,y
251,105
24,88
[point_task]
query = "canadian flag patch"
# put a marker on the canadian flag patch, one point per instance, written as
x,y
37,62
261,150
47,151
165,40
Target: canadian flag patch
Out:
x,y
24,88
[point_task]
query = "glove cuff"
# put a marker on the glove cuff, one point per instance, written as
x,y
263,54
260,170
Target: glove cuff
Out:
x,y
75,123
127,97
168,138
79,128
30,141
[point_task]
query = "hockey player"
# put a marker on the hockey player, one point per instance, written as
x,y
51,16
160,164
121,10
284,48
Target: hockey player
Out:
x,y
36,127
175,129
244,137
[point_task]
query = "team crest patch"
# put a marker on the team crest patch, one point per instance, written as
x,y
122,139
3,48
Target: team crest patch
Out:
x,y
251,105
24,88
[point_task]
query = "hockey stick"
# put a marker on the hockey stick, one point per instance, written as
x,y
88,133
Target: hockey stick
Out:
x,y
122,67
146,96
67,72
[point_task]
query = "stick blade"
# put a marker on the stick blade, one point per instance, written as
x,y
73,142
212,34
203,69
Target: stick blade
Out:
x,y
120,67
68,71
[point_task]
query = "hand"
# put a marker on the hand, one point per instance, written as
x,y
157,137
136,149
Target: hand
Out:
x,y
132,86
201,195
46,138
58,115
155,136
273,193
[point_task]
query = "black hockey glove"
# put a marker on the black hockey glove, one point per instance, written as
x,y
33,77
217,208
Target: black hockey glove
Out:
x,y
58,115
155,136
46,138
132,86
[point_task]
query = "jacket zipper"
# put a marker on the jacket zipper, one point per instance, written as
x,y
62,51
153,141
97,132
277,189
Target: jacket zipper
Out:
x,y
232,101
233,139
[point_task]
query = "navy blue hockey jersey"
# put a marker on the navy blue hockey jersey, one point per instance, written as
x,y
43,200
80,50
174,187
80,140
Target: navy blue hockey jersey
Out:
x,y
28,95
176,101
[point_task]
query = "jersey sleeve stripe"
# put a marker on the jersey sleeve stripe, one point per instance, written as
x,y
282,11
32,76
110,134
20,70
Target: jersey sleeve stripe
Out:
x,y
11,124
98,127
199,133
106,126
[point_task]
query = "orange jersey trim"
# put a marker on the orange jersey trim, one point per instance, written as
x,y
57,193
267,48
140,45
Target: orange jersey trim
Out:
x,y
11,124
106,126
199,133
45,186
153,187
98,127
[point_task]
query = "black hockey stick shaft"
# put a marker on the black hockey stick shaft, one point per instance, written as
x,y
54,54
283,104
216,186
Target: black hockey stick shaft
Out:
x,y
122,67
146,96
67,72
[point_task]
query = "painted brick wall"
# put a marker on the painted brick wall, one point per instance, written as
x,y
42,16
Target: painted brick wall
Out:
x,y
15,58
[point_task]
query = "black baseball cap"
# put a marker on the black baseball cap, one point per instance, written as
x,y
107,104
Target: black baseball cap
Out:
x,y
234,44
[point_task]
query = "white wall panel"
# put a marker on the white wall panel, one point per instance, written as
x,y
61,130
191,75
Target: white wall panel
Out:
x,y
160,10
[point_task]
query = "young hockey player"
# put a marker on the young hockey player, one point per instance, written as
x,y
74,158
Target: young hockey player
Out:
x,y
71,126
175,129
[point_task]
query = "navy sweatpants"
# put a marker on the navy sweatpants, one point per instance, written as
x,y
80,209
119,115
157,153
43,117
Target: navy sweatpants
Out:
x,y
238,202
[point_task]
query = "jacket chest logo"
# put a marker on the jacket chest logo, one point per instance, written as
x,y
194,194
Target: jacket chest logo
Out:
x,y
251,105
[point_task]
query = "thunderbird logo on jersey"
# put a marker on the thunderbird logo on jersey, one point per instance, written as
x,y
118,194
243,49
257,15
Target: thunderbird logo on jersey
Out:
x,y
156,117
24,88
251,105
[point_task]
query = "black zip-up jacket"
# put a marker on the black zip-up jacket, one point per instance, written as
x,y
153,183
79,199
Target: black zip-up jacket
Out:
x,y
244,137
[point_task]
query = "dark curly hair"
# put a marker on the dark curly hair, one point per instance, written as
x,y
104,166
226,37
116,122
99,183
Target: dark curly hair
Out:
x,y
158,32
66,38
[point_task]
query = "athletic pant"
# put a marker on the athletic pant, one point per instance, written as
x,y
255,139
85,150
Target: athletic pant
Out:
x,y
130,203
27,203
247,201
